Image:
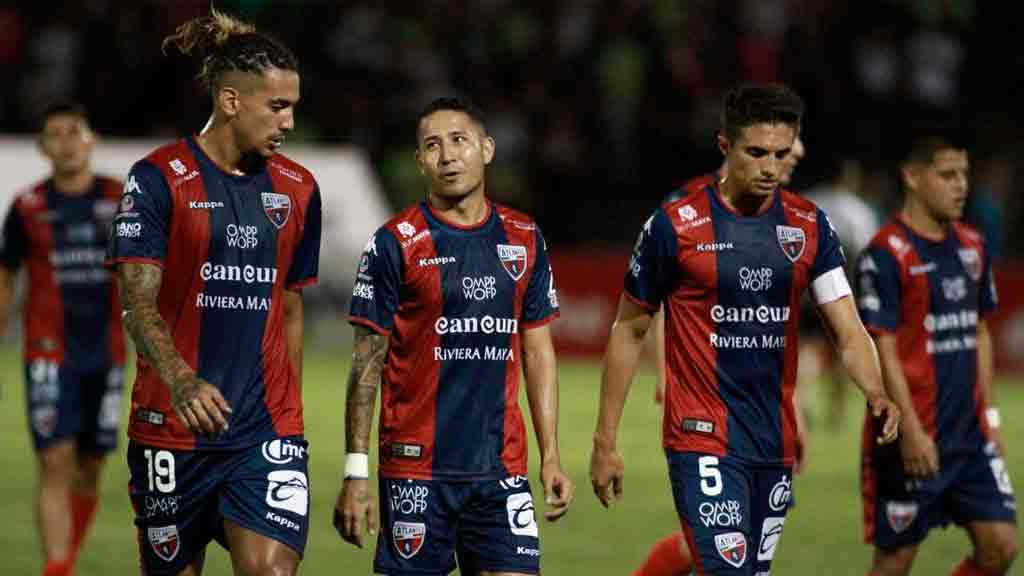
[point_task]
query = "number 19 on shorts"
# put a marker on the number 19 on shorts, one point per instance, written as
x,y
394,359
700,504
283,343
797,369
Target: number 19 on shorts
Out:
x,y
160,470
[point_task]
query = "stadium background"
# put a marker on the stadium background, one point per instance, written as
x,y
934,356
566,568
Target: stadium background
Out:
x,y
599,108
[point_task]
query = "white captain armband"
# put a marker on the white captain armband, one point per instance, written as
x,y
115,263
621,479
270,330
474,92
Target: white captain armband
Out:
x,y
830,286
357,466
992,415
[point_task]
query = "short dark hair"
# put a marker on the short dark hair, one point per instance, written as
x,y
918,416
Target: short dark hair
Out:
x,y
750,104
61,107
924,148
454,103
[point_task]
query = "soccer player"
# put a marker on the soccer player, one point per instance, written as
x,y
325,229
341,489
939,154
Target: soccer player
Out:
x,y
453,298
670,556
215,238
74,343
730,262
925,288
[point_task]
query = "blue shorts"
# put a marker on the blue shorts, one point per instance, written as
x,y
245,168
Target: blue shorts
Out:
x,y
66,403
732,512
489,525
900,510
181,498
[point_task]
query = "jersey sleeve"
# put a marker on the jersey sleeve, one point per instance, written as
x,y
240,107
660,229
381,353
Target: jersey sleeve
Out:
x,y
13,240
306,260
540,303
652,265
830,249
142,223
375,297
878,290
988,297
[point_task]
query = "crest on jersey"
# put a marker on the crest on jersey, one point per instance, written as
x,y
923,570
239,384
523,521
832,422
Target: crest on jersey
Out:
x,y
971,260
164,540
513,259
732,547
277,207
900,515
408,538
792,241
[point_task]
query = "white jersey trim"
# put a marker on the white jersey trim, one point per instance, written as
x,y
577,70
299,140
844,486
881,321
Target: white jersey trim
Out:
x,y
830,286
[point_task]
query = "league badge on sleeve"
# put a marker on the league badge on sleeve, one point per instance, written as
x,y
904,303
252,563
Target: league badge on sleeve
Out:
x,y
277,207
408,538
792,241
513,259
164,540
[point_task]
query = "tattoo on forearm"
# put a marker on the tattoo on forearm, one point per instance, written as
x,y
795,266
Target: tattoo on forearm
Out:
x,y
139,285
368,357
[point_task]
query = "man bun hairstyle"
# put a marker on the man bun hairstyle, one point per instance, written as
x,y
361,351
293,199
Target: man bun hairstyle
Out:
x,y
750,104
224,44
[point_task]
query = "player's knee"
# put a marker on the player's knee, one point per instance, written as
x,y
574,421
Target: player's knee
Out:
x,y
894,562
57,464
996,556
89,470
256,565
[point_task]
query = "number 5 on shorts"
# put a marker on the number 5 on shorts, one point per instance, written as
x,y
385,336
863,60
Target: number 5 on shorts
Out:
x,y
710,477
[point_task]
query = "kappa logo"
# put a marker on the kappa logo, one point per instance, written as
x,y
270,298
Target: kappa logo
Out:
x,y
132,186
792,241
771,531
164,541
277,207
513,259
408,538
520,514
900,515
971,260
732,547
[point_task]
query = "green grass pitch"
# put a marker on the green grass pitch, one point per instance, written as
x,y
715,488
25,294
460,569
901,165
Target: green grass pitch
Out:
x,y
822,535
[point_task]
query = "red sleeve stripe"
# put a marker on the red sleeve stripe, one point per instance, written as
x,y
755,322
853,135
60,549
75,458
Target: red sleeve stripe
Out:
x,y
542,322
302,284
645,305
368,324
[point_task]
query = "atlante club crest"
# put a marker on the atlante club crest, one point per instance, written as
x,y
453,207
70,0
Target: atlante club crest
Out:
x,y
164,540
277,207
732,547
408,538
792,241
513,259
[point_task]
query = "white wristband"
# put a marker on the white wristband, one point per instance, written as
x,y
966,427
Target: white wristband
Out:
x,y
357,466
992,415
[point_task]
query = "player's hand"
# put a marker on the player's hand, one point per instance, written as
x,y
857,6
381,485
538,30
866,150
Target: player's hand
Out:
x,y
997,438
199,405
920,456
606,473
559,490
659,390
353,506
885,411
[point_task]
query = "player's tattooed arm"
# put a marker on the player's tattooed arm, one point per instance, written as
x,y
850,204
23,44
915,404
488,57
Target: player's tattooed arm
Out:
x,y
368,357
198,404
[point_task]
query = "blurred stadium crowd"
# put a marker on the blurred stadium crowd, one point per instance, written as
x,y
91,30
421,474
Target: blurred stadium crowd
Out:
x,y
599,107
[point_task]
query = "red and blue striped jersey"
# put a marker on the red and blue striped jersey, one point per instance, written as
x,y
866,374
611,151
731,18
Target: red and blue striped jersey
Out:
x,y
229,247
452,301
731,287
931,294
72,315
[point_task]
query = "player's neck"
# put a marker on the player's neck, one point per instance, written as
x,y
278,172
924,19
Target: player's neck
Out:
x,y
74,183
921,221
469,210
741,201
219,145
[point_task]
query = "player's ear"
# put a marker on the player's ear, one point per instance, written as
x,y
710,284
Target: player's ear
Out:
x,y
487,147
228,100
908,172
723,144
419,161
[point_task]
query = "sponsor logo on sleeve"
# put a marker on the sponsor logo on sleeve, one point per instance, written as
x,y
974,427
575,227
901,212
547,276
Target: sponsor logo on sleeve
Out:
x,y
792,241
520,514
363,290
771,531
164,541
131,186
277,207
408,538
732,547
288,490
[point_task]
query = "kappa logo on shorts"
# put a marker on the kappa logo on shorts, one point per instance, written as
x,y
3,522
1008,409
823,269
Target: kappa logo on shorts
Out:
x,y
288,490
792,241
277,207
732,547
408,538
164,541
520,514
900,515
771,531
513,259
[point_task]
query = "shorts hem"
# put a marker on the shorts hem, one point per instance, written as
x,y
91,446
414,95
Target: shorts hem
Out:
x,y
412,571
262,532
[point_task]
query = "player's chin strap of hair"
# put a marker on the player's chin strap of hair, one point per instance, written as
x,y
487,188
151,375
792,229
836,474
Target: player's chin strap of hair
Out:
x,y
992,415
357,466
